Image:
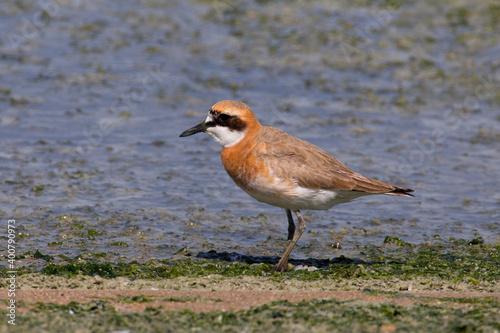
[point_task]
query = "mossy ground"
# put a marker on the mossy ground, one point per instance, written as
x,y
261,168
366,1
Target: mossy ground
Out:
x,y
326,315
398,287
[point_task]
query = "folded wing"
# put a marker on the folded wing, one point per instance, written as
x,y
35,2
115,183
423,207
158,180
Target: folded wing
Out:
x,y
312,167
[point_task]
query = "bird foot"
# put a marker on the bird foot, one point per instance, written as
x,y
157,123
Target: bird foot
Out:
x,y
280,267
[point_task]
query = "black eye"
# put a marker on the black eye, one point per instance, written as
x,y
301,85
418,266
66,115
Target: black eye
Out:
x,y
224,117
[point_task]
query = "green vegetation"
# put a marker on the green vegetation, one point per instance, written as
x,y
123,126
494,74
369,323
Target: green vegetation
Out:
x,y
467,261
281,316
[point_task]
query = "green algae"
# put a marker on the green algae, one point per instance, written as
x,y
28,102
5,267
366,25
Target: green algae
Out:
x,y
456,261
279,316
442,265
164,269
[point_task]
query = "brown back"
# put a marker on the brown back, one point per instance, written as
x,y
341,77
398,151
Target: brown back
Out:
x,y
311,167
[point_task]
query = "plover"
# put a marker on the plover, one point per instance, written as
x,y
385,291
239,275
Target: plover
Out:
x,y
281,170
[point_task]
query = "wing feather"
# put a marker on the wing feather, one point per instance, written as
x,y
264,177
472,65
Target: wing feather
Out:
x,y
309,166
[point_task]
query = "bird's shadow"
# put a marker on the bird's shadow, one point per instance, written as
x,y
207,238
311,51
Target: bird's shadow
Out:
x,y
318,263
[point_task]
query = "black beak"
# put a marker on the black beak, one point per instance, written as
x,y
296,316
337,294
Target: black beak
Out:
x,y
196,129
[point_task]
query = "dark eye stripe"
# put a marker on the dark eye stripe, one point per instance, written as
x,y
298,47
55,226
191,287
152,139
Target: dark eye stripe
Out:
x,y
232,122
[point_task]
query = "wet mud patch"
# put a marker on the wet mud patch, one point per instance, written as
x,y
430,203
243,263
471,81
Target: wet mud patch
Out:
x,y
310,263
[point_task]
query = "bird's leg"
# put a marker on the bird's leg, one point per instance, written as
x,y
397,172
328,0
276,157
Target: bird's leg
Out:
x,y
283,263
291,225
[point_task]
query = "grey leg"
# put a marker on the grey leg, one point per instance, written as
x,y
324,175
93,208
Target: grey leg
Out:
x,y
283,263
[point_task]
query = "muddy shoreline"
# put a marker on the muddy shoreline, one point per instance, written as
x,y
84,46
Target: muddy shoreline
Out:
x,y
398,286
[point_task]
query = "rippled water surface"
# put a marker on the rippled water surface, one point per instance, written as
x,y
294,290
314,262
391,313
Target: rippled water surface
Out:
x,y
94,95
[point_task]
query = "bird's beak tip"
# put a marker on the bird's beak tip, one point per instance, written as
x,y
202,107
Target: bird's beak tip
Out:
x,y
193,130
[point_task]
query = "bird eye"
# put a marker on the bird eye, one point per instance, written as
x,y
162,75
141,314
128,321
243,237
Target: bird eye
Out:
x,y
224,117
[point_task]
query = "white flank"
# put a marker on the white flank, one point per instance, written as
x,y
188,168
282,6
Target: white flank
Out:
x,y
224,135
324,199
281,194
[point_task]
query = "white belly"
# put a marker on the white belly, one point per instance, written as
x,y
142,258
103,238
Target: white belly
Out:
x,y
298,197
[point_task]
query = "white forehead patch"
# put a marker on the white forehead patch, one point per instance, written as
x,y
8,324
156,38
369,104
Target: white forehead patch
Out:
x,y
209,117
224,135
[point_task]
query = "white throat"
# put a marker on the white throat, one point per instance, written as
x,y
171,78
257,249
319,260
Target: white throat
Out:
x,y
224,135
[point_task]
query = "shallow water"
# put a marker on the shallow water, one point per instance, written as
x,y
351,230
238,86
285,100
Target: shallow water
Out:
x,y
94,95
